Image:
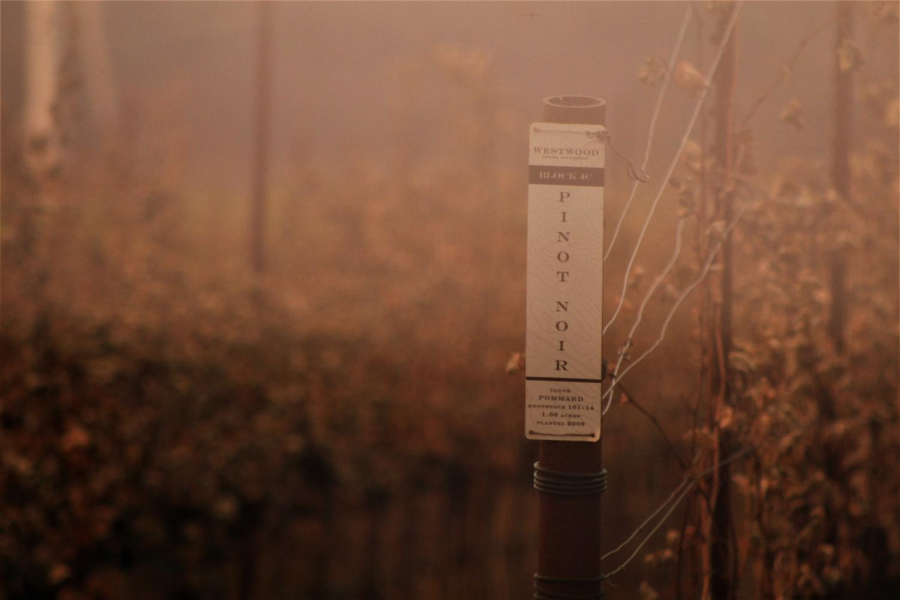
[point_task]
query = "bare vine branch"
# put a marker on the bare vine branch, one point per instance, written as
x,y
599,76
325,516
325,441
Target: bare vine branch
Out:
x,y
684,294
686,482
623,351
785,72
659,101
662,432
684,139
686,485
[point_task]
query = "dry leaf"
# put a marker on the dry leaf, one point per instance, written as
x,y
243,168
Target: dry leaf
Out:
x,y
647,592
726,416
75,437
849,57
672,536
741,361
717,229
689,79
892,114
225,507
59,572
741,482
884,12
516,363
651,71
717,8
793,115
637,277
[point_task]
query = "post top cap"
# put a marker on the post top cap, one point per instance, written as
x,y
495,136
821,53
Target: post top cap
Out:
x,y
575,109
576,102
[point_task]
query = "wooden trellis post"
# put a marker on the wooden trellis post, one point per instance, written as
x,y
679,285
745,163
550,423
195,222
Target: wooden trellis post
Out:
x,y
564,364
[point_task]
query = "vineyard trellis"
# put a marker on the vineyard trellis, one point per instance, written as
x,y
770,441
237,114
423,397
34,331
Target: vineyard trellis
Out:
x,y
683,489
172,426
720,233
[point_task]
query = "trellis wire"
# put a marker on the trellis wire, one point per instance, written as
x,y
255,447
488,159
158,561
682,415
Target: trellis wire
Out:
x,y
697,107
640,527
786,70
684,294
686,485
623,351
659,101
665,517
678,493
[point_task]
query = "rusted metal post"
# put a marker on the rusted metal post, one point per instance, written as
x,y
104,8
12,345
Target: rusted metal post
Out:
x,y
570,476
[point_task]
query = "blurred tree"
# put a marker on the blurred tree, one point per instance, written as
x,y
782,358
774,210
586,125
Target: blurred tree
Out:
x,y
42,65
845,61
261,149
96,69
723,560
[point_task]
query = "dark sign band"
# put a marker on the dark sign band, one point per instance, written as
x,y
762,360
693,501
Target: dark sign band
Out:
x,y
564,379
582,176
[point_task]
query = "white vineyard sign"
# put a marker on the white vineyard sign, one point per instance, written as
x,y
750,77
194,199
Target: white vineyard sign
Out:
x,y
565,282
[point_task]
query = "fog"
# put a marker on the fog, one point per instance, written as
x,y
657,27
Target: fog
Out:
x,y
335,66
264,314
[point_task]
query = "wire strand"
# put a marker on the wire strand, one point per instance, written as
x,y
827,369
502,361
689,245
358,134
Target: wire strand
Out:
x,y
686,485
652,130
640,527
698,106
684,294
623,351
659,524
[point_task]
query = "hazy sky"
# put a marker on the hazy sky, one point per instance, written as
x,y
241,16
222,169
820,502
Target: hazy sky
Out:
x,y
333,60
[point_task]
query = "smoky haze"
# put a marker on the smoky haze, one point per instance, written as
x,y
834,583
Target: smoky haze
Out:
x,y
263,336
335,69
